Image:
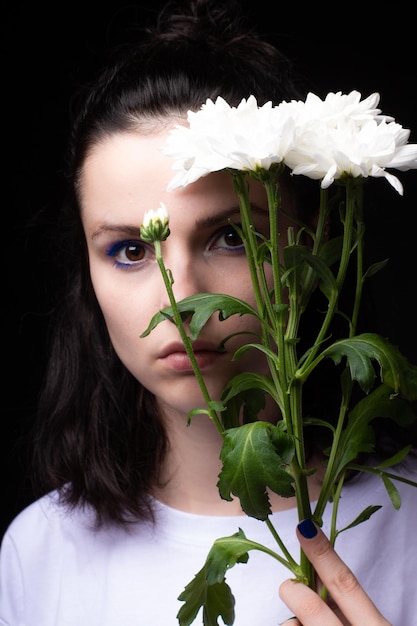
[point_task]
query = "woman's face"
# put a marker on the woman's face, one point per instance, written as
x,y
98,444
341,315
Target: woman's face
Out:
x,y
125,176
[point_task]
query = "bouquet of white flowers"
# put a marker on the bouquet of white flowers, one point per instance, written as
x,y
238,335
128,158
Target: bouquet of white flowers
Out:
x,y
339,141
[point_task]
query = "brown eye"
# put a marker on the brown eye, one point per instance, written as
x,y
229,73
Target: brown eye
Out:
x,y
134,252
232,238
130,254
227,238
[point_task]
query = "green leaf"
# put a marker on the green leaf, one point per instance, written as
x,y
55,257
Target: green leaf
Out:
x,y
362,517
296,261
251,381
376,267
314,421
213,405
392,490
397,458
392,406
254,457
245,405
361,350
201,307
257,346
216,600
358,436
331,250
208,590
225,553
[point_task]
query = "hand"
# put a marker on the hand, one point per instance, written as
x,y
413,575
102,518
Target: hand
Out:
x,y
348,604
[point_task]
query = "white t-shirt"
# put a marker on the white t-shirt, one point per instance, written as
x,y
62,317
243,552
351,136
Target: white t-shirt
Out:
x,y
56,571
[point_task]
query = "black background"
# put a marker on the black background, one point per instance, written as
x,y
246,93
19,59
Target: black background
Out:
x,y
49,50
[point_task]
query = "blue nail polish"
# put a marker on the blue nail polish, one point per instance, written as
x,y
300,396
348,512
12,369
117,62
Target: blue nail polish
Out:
x,y
307,529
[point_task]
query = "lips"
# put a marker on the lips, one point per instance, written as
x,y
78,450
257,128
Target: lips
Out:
x,y
175,356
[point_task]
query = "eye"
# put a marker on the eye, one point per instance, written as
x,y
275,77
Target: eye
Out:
x,y
228,238
127,254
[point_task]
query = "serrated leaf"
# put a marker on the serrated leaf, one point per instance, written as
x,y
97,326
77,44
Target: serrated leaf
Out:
x,y
360,352
225,553
216,600
200,307
254,457
208,589
247,381
244,406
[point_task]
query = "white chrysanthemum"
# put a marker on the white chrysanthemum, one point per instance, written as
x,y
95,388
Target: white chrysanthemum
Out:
x,y
365,149
322,139
334,109
246,137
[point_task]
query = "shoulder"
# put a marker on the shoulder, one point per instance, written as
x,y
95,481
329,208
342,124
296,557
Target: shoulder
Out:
x,y
48,518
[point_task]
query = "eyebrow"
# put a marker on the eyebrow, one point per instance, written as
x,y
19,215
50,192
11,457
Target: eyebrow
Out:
x,y
126,229
206,222
212,220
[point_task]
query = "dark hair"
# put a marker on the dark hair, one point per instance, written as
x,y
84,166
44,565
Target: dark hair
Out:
x,y
99,439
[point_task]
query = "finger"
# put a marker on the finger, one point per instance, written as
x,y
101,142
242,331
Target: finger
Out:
x,y
340,581
310,609
291,621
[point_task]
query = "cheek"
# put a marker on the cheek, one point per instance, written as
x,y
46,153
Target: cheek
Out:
x,y
239,284
125,320
123,306
234,280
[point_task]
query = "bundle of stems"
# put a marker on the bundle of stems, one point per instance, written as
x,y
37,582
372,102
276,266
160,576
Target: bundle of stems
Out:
x,y
258,456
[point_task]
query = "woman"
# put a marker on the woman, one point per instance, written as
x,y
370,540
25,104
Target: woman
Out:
x,y
132,505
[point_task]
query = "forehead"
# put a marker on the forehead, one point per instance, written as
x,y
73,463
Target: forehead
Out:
x,y
123,158
126,174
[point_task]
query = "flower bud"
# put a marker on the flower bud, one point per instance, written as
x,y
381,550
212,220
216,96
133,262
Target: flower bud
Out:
x,y
155,225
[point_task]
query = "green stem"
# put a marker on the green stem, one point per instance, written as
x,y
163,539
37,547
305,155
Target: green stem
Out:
x,y
351,187
259,282
319,237
332,466
285,344
292,393
185,338
360,230
292,564
354,198
333,524
379,472
335,509
262,298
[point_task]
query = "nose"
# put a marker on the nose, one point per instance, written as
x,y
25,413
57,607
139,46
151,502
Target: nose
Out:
x,y
188,277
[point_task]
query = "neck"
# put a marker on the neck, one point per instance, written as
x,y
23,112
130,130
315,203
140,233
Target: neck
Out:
x,y
191,469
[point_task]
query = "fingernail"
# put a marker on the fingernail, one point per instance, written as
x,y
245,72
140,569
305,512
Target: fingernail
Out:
x,y
307,529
